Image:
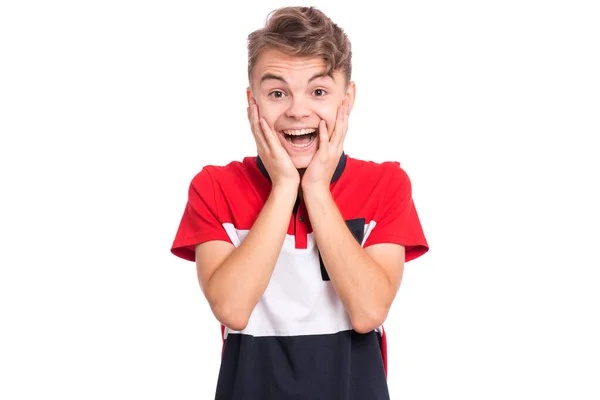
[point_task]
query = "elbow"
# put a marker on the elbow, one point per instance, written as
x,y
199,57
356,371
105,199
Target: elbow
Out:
x,y
235,324
369,321
227,311
232,317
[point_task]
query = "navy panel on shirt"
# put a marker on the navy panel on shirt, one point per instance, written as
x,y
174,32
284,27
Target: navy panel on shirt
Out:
x,y
341,366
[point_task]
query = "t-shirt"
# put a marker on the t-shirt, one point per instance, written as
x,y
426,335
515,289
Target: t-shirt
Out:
x,y
299,342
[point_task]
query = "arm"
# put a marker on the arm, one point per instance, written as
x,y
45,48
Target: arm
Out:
x,y
366,280
234,279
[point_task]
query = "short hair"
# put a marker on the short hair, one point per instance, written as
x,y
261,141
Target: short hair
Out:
x,y
302,32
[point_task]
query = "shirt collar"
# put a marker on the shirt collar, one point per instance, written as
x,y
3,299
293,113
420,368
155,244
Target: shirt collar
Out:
x,y
336,174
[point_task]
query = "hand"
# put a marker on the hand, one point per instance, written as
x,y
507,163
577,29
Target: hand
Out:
x,y
277,161
323,164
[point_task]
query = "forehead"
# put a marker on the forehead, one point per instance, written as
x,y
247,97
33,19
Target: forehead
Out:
x,y
275,62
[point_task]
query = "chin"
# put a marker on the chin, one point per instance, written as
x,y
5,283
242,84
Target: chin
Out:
x,y
302,161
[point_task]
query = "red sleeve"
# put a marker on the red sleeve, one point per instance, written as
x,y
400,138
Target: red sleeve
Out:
x,y
397,220
200,222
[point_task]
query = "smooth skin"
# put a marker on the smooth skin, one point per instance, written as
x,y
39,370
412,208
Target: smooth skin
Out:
x,y
288,92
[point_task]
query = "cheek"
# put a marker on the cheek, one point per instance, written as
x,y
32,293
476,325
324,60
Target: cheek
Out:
x,y
329,116
328,112
269,111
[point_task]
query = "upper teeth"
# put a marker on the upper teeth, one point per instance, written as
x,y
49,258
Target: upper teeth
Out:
x,y
296,132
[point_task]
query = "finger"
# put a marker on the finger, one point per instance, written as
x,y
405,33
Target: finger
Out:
x,y
269,136
341,125
345,124
257,132
323,137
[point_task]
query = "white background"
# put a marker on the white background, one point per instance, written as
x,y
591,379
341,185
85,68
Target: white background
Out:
x,y
109,108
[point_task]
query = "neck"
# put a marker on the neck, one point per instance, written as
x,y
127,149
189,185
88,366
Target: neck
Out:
x,y
301,172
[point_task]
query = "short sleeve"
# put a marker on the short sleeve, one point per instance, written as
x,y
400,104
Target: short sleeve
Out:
x,y
200,221
396,219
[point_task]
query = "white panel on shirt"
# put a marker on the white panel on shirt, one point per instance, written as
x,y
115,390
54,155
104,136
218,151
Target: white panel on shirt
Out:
x,y
297,300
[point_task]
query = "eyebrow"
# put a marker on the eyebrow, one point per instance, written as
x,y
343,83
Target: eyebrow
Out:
x,y
269,76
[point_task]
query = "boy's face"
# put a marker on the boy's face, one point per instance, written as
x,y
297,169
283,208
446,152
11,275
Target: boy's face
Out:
x,y
293,95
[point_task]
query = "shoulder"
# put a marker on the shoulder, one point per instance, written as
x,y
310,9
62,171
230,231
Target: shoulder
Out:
x,y
230,172
384,172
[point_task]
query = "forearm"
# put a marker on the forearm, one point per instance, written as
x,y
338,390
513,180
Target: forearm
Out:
x,y
237,285
362,286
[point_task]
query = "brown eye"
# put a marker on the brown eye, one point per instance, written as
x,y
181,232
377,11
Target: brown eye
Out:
x,y
277,94
319,92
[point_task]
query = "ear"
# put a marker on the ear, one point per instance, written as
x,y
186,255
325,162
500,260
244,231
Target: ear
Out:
x,y
248,97
351,94
248,94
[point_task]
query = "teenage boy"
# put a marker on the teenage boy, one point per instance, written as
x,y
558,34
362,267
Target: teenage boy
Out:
x,y
300,251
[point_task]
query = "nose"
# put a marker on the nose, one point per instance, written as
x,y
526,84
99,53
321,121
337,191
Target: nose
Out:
x,y
299,108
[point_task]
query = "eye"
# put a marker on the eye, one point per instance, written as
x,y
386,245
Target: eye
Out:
x,y
278,94
319,92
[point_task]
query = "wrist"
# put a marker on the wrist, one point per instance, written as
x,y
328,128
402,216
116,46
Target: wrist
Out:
x,y
285,188
315,191
317,188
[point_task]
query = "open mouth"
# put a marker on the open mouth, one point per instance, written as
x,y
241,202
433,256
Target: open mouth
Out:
x,y
300,137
